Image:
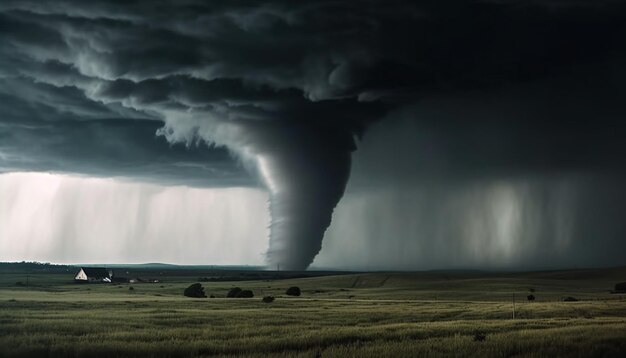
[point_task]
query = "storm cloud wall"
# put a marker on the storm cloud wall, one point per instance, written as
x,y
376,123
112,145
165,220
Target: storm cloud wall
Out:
x,y
530,224
460,188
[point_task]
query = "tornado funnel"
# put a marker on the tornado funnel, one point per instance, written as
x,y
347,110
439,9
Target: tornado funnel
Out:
x,y
305,185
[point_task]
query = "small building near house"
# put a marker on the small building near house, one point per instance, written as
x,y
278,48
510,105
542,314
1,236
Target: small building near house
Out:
x,y
93,274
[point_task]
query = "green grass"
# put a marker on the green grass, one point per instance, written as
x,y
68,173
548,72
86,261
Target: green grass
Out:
x,y
362,315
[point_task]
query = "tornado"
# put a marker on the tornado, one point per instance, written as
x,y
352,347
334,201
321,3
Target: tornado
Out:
x,y
305,183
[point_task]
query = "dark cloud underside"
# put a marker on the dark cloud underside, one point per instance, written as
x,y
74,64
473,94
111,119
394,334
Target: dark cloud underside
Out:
x,y
118,70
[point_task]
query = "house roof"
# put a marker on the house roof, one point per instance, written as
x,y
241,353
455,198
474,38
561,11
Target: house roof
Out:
x,y
96,272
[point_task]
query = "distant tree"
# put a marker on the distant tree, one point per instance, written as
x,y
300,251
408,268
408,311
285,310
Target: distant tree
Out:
x,y
293,291
233,292
245,294
268,299
195,290
569,299
130,288
530,298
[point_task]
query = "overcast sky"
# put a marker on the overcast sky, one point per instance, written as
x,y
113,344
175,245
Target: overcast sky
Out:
x,y
378,135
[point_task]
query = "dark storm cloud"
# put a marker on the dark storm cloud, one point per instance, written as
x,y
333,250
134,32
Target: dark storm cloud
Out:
x,y
555,126
86,85
317,62
46,128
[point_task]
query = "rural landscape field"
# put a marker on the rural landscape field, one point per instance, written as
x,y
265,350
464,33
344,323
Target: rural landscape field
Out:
x,y
438,313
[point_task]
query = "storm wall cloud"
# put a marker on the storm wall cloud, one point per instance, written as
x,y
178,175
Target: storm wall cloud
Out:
x,y
281,94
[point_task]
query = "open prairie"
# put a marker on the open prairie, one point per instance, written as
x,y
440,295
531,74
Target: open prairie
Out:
x,y
338,315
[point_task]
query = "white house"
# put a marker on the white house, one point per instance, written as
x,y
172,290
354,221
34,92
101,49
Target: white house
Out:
x,y
93,274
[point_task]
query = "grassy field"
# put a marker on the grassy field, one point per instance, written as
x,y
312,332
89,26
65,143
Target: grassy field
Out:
x,y
350,315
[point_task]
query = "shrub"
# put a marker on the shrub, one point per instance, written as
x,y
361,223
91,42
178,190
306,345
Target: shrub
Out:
x,y
268,299
530,298
196,290
569,299
233,292
245,294
480,336
293,291
130,288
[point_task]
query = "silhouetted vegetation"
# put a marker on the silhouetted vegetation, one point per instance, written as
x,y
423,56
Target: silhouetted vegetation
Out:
x,y
33,266
268,299
233,292
293,291
480,336
195,290
620,287
530,298
569,299
245,294
237,292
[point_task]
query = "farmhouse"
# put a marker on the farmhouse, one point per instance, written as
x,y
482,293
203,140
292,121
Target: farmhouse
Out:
x,y
93,274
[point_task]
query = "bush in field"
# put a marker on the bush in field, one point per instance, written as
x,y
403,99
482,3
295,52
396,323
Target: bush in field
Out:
x,y
530,298
237,292
130,288
570,299
233,292
293,291
196,290
268,299
480,336
245,294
